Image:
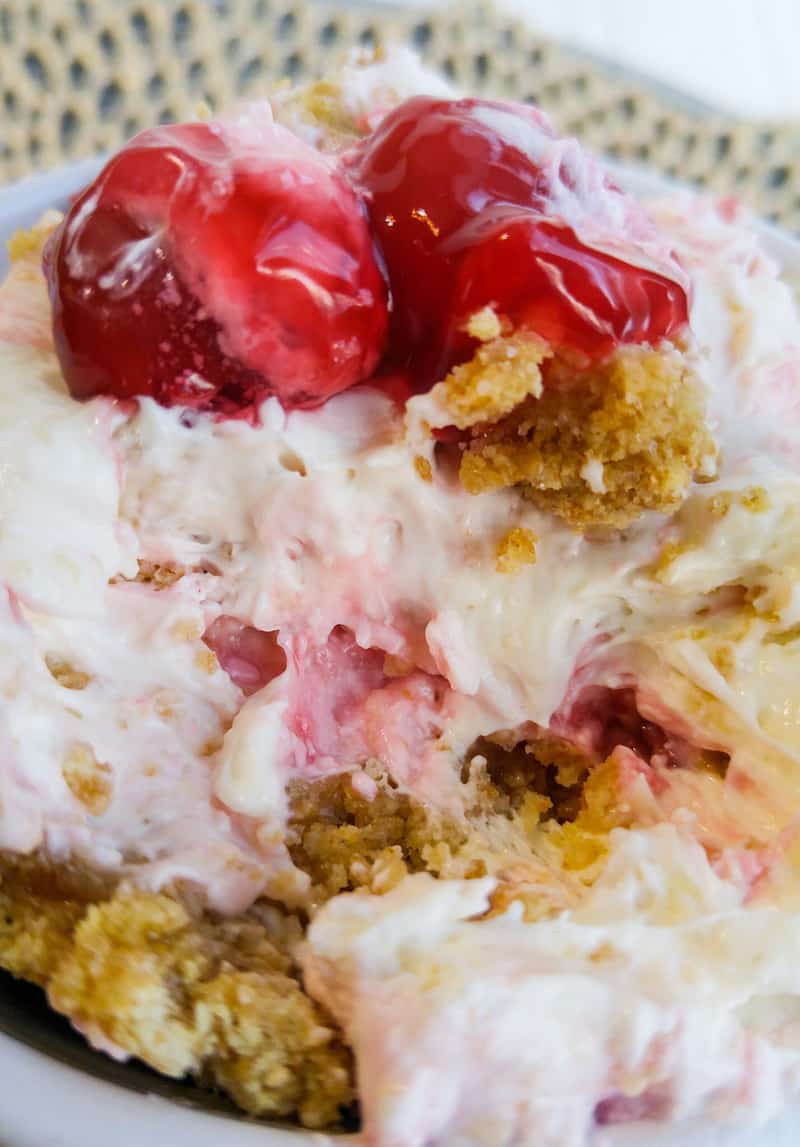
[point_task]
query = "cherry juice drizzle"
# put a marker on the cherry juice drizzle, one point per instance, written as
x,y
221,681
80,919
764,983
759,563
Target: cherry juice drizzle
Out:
x,y
203,270
466,216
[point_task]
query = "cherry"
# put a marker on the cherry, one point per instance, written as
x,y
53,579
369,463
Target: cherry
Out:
x,y
251,657
477,202
215,264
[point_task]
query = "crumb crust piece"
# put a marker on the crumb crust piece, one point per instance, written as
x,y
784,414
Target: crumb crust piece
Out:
x,y
515,549
497,379
596,445
222,1000
189,995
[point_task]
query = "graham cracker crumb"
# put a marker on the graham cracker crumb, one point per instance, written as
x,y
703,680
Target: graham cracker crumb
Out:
x,y
167,704
206,660
186,629
722,656
755,499
388,869
516,549
719,504
88,779
39,910
530,884
583,841
324,103
65,673
345,841
484,325
500,375
784,637
185,993
322,107
28,242
669,554
159,575
423,468
640,414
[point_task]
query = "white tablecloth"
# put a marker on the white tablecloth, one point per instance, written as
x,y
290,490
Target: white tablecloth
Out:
x,y
737,55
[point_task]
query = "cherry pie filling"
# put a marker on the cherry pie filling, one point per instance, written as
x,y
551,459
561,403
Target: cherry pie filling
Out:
x,y
212,266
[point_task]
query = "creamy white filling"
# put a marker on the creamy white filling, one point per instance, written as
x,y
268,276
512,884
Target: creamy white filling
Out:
x,y
319,523
61,537
660,984
330,505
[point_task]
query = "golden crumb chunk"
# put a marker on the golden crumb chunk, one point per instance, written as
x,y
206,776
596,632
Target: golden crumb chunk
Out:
x,y
516,549
88,779
670,552
206,661
754,499
345,840
531,885
35,932
583,841
324,103
186,994
321,106
186,629
600,446
423,468
65,673
484,325
30,242
500,375
158,574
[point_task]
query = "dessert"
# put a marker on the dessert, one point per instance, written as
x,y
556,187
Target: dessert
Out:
x,y
399,546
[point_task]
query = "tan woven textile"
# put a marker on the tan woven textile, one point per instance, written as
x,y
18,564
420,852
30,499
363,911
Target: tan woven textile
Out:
x,y
77,76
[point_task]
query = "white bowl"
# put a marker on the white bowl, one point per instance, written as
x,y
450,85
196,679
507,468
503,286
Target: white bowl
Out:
x,y
45,1103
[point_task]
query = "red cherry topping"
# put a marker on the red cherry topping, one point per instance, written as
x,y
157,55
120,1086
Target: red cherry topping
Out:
x,y
212,265
478,202
251,657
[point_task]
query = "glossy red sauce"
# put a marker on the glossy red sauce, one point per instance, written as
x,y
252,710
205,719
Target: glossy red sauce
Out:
x,y
207,271
464,217
211,266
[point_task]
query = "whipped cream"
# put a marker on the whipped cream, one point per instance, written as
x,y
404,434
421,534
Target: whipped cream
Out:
x,y
661,986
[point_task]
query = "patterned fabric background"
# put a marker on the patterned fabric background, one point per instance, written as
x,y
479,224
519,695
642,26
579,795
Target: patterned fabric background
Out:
x,y
77,76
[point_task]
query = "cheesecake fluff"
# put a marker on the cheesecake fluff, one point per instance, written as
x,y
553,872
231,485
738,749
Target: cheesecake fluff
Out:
x,y
550,974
